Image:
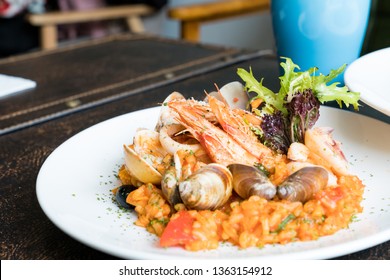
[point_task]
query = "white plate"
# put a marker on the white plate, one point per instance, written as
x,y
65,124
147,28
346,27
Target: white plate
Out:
x,y
74,183
370,75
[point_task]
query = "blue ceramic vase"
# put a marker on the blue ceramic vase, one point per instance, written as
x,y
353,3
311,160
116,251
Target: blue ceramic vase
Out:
x,y
321,33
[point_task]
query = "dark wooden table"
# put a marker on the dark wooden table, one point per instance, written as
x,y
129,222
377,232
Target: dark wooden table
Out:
x,y
83,85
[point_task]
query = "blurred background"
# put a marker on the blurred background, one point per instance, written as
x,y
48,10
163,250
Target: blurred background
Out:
x,y
248,31
251,31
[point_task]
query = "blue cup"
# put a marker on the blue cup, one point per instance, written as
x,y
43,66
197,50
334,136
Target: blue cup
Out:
x,y
321,33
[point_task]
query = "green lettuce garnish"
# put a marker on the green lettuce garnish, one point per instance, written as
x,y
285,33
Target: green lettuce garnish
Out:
x,y
293,82
287,114
271,100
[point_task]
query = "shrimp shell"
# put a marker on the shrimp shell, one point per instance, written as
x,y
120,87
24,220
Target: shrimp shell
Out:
x,y
220,147
239,130
248,181
303,184
208,188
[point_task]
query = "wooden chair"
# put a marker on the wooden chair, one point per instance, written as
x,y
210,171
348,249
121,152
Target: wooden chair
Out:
x,y
48,22
191,17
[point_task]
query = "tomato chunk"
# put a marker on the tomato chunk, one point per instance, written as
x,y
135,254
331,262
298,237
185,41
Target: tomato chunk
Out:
x,y
178,231
330,197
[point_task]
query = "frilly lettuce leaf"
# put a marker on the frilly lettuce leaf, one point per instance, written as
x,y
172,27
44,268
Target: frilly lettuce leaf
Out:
x,y
288,113
271,100
294,81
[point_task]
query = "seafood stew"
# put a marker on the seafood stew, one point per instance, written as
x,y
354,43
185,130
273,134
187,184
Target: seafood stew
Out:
x,y
246,170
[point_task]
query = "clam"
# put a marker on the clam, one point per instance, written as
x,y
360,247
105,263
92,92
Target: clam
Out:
x,y
140,168
147,145
249,180
175,173
232,94
143,158
167,115
294,166
169,186
208,188
303,184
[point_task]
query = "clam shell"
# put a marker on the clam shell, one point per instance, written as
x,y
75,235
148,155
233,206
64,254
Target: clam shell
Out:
x,y
248,181
139,168
147,143
208,188
169,186
233,94
303,184
167,115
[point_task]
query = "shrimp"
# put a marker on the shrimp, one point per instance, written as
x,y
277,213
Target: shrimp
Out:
x,y
168,117
236,127
221,147
324,150
201,108
240,131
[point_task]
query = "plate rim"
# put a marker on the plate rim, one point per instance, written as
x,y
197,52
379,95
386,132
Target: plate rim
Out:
x,y
349,80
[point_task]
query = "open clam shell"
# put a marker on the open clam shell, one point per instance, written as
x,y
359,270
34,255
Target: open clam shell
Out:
x,y
233,94
139,168
167,115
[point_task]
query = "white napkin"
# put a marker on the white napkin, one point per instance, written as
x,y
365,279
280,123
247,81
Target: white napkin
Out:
x,y
11,84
